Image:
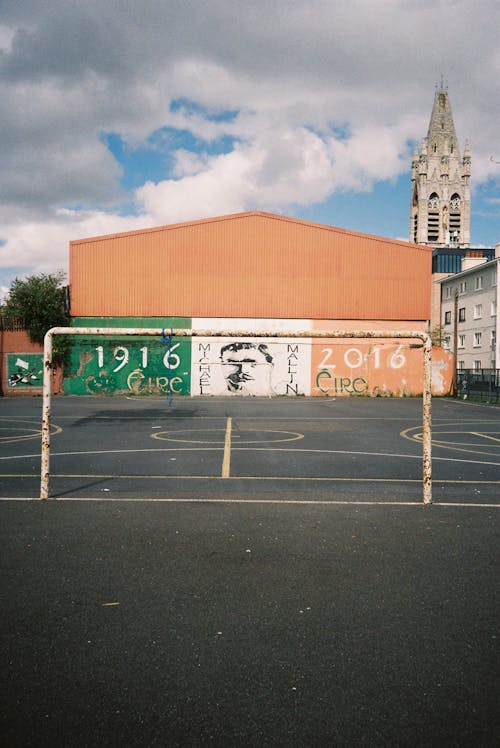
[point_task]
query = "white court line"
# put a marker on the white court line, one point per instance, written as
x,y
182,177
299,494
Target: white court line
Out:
x,y
249,449
366,454
295,478
312,502
172,417
458,401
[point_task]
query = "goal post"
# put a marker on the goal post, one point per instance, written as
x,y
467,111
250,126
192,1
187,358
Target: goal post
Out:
x,y
424,337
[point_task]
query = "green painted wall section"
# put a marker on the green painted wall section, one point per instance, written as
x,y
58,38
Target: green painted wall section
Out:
x,y
24,371
160,322
98,364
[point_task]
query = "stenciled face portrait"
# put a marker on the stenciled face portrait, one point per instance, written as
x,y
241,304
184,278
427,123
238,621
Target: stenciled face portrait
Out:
x,y
247,367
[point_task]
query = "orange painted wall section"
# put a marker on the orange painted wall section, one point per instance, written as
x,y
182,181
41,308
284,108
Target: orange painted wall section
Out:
x,y
375,367
383,368
253,265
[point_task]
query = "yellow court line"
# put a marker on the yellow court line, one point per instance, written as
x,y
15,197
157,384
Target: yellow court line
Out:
x,y
469,451
485,436
35,432
226,462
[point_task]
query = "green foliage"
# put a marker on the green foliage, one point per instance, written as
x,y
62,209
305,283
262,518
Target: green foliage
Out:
x,y
39,301
438,336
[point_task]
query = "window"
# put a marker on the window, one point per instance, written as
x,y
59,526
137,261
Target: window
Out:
x,y
461,365
493,308
461,341
477,339
463,287
494,277
448,263
478,311
477,365
447,292
461,314
478,283
454,218
433,218
447,318
493,339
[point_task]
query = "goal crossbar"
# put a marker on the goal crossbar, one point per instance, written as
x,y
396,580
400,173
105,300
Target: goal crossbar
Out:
x,y
186,332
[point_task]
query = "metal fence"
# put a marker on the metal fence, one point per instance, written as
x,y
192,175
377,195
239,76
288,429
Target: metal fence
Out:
x,y
479,384
12,324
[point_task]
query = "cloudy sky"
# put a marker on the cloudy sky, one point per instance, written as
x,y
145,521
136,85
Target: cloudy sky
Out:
x,y
123,114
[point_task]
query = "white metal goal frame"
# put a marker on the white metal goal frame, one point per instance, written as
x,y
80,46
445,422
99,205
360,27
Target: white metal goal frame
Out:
x,y
186,332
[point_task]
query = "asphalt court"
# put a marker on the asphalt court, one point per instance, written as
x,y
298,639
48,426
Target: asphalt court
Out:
x,y
250,449
249,573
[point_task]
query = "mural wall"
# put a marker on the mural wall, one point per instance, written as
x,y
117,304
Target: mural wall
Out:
x,y
143,366
21,371
255,366
235,365
24,371
129,365
377,368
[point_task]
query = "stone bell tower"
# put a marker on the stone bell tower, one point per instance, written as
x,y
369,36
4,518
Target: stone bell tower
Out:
x,y
440,200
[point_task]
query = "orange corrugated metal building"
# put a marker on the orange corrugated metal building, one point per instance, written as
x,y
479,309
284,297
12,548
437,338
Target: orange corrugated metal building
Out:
x,y
250,265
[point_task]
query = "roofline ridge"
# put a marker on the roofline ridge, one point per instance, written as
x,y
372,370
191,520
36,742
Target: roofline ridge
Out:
x,y
247,214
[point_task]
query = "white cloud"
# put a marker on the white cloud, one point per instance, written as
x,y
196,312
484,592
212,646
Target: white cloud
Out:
x,y
218,189
6,36
43,246
326,97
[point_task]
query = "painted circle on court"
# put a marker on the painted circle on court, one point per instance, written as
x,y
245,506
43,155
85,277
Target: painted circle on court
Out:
x,y
478,437
18,430
197,436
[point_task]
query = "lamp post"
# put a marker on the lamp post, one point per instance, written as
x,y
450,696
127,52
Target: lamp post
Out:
x,y
454,387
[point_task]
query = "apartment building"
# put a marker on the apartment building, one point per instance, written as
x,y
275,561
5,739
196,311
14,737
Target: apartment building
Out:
x,y
470,301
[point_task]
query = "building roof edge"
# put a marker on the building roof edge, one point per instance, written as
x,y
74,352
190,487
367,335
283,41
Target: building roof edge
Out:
x,y
486,263
247,214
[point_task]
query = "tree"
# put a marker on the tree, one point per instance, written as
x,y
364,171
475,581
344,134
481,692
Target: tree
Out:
x,y
39,301
439,337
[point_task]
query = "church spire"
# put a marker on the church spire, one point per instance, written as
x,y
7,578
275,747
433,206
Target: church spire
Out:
x,y
440,203
441,133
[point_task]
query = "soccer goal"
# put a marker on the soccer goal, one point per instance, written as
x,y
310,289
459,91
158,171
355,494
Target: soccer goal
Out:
x,y
237,354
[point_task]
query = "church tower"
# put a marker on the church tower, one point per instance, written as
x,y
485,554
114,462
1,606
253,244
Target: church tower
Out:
x,y
440,200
